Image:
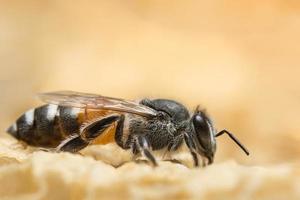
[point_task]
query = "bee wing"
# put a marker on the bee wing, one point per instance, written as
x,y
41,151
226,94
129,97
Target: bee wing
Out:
x,y
94,101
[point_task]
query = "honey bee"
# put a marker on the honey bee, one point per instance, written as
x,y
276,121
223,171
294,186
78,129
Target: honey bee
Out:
x,y
70,121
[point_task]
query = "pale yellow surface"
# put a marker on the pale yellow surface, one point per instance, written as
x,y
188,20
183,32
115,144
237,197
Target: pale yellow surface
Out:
x,y
42,175
238,59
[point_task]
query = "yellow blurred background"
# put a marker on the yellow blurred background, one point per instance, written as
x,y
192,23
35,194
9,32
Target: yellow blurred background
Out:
x,y
238,59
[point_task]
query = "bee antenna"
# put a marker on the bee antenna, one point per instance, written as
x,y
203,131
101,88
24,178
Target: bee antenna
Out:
x,y
199,109
234,139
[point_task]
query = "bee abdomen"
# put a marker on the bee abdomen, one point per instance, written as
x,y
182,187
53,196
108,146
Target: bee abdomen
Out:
x,y
45,126
23,126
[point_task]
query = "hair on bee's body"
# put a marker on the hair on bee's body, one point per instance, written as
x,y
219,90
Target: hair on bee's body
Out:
x,y
71,121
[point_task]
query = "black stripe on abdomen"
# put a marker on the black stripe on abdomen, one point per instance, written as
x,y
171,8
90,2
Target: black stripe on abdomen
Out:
x,y
68,120
47,132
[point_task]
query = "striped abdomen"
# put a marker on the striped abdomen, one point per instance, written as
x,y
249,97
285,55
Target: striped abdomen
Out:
x,y
46,126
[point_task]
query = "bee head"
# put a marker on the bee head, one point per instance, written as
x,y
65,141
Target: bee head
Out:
x,y
203,134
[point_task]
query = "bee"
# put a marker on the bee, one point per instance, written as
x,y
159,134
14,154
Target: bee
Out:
x,y
70,121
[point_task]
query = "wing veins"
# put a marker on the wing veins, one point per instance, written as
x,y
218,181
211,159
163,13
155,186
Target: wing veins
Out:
x,y
94,101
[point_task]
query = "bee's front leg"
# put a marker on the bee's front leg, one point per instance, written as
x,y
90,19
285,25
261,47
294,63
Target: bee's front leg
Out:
x,y
191,145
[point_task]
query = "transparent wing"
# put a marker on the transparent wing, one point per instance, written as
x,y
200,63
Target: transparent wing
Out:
x,y
94,101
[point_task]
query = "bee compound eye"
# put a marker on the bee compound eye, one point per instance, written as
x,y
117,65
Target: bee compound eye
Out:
x,y
198,119
199,122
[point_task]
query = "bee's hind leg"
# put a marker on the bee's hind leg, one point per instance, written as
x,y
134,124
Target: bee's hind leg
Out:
x,y
88,133
175,161
143,146
73,144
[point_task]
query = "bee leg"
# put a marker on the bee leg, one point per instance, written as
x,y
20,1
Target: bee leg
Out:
x,y
177,141
119,133
174,161
96,128
88,134
73,144
191,145
143,146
